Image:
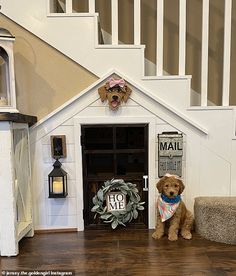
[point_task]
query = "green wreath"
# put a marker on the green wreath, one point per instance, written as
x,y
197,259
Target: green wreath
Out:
x,y
117,217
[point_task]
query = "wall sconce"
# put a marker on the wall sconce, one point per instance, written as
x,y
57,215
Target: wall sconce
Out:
x,y
57,180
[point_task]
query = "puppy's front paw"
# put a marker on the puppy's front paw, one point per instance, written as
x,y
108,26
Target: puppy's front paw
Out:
x,y
172,237
157,235
186,235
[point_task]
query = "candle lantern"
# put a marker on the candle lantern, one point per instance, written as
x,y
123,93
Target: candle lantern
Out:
x,y
57,180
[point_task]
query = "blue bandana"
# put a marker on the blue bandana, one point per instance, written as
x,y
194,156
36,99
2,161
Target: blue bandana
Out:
x,y
175,199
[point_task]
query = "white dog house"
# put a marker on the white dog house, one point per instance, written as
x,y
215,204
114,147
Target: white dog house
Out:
x,y
86,121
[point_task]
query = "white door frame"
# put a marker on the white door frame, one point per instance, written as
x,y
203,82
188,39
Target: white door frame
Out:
x,y
151,121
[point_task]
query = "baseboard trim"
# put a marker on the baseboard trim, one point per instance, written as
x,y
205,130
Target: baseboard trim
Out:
x,y
66,230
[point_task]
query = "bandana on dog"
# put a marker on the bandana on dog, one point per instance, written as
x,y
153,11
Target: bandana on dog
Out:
x,y
167,209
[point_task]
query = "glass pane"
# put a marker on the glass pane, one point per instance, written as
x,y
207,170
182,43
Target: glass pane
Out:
x,y
98,138
130,137
130,163
100,165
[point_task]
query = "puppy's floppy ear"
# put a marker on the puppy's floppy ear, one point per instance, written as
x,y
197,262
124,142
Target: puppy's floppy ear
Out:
x,y
127,91
107,86
103,93
181,186
160,184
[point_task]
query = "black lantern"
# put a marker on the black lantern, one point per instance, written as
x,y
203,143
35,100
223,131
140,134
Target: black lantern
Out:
x,y
57,180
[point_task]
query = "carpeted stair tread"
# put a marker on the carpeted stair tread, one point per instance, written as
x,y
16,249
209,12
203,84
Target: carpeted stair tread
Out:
x,y
215,218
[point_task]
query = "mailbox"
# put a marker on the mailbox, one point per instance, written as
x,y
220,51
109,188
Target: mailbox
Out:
x,y
170,152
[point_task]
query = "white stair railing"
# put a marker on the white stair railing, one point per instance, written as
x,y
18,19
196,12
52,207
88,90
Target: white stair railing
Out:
x,y
114,21
68,6
205,41
137,22
182,38
159,43
91,6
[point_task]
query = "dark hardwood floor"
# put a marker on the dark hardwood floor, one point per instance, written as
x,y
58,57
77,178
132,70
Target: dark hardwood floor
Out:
x,y
122,252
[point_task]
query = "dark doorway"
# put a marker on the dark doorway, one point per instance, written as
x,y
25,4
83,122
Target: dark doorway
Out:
x,y
114,151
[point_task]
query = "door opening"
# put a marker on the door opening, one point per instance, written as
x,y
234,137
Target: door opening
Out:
x,y
114,151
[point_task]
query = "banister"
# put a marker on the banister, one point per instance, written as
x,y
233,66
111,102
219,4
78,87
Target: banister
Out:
x,y
68,6
91,6
205,40
137,22
182,36
114,21
160,26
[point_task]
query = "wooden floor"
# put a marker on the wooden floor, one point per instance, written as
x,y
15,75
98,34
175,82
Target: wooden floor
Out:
x,y
130,252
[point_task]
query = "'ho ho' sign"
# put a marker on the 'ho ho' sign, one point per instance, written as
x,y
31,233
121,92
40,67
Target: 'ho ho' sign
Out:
x,y
116,201
170,152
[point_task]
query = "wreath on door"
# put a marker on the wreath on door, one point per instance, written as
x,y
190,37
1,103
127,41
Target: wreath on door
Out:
x,y
120,217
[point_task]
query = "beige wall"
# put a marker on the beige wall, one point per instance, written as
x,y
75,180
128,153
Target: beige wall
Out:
x,y
45,78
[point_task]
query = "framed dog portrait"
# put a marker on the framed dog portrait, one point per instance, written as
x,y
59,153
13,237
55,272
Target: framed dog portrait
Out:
x,y
58,146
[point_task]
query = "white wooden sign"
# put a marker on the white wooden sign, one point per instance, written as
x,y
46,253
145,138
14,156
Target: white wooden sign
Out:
x,y
116,201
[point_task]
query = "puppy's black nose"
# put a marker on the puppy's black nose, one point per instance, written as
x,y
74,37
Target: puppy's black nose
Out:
x,y
171,193
115,98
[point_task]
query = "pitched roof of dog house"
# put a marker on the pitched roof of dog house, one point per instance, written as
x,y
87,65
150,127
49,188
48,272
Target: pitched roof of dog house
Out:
x,y
78,103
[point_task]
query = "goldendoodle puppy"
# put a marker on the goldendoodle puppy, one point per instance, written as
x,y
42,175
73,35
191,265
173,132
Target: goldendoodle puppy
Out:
x,y
172,210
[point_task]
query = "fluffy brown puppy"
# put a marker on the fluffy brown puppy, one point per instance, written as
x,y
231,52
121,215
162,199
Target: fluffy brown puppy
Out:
x,y
171,210
115,91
